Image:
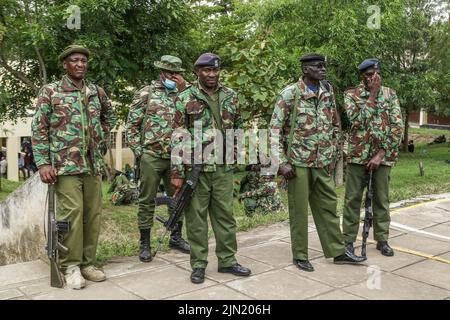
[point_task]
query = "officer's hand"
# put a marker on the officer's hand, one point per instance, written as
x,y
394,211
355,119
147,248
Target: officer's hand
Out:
x,y
48,174
286,171
375,162
179,80
374,84
177,183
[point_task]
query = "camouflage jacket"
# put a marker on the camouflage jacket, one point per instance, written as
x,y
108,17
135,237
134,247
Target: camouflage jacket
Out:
x,y
260,194
316,127
149,124
70,126
192,108
373,126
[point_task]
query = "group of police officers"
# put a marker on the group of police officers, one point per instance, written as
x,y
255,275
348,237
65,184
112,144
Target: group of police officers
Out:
x,y
73,118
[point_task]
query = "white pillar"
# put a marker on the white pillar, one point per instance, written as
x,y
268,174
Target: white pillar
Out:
x,y
119,149
423,117
12,157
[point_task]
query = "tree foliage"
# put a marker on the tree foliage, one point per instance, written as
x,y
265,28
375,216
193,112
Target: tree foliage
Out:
x,y
259,41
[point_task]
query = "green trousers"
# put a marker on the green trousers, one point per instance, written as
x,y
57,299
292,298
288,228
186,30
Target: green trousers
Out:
x,y
213,195
79,201
153,169
354,190
315,186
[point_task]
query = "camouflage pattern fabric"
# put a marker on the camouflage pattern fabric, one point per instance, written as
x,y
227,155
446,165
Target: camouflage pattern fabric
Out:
x,y
316,131
373,126
260,195
191,106
125,194
70,127
149,124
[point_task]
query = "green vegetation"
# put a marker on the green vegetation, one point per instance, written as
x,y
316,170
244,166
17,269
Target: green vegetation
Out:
x,y
8,187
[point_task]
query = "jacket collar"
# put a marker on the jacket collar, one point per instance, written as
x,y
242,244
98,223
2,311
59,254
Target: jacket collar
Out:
x,y
307,93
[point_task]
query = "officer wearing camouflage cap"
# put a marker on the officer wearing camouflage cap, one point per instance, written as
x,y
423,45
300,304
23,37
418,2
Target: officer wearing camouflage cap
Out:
x,y
149,130
373,145
306,116
214,106
72,120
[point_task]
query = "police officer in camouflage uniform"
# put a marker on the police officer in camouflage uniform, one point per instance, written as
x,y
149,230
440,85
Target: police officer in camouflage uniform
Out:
x,y
72,120
373,145
309,141
149,130
259,193
213,106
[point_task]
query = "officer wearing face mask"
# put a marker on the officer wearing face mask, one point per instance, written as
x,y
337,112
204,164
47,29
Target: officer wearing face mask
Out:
x,y
149,131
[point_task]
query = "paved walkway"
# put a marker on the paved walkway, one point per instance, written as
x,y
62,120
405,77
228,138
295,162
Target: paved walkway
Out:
x,y
420,269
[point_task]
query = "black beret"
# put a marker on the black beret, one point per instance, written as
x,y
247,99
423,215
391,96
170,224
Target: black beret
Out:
x,y
369,63
208,60
73,48
312,57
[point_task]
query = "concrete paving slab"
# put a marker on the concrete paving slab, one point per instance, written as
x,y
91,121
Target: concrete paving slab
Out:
x,y
174,256
336,295
432,272
445,256
420,243
125,265
106,290
10,294
36,287
278,284
263,234
218,292
213,274
26,271
399,260
393,287
418,222
333,275
160,283
275,253
442,229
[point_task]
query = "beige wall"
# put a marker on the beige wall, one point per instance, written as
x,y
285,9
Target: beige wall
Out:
x,y
12,132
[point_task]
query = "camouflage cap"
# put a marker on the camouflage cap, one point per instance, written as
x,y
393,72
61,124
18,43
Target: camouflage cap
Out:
x,y
369,63
170,63
73,48
208,60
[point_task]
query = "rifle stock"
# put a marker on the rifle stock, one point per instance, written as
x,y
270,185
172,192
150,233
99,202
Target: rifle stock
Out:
x,y
55,230
368,213
177,204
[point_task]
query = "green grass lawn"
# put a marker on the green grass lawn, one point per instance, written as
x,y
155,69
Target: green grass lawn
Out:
x,y
8,187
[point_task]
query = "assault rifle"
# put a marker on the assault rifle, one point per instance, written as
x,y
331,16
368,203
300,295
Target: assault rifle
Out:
x,y
368,212
177,204
54,232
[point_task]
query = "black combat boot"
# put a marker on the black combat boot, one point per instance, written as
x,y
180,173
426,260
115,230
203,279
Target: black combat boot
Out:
x,y
176,241
145,254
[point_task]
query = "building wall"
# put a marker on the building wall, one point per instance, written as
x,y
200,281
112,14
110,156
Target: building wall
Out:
x,y
12,133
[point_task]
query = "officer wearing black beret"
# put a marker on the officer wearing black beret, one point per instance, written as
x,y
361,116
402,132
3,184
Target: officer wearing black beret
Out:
x,y
306,116
373,145
216,107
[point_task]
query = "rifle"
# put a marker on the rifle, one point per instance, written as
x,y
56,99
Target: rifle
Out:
x,y
177,204
368,214
137,170
54,232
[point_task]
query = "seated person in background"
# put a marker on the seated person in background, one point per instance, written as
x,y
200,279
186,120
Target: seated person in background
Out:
x,y
259,193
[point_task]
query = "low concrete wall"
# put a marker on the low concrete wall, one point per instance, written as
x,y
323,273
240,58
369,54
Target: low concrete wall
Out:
x,y
22,221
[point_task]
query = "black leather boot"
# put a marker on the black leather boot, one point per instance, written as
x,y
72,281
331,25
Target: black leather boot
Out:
x,y
177,242
145,254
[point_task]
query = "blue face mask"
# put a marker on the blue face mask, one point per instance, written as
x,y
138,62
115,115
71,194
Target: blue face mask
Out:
x,y
169,84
